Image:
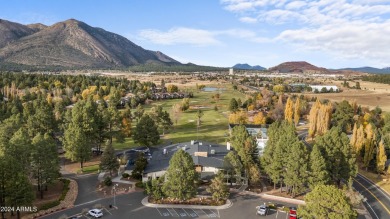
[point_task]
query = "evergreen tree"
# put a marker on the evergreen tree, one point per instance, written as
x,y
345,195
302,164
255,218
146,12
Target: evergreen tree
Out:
x,y
166,122
180,177
318,170
139,112
246,148
109,162
233,166
146,132
296,168
218,188
340,160
45,165
139,166
326,201
233,105
76,144
343,115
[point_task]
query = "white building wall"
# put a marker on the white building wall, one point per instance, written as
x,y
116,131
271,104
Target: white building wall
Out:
x,y
153,175
209,169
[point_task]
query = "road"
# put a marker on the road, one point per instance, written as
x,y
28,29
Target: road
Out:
x,y
377,201
129,206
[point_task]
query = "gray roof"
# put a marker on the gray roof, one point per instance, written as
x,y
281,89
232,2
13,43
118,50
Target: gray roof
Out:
x,y
160,161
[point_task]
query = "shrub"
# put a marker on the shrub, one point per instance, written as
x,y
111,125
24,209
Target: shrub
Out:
x,y
65,189
125,175
139,185
107,181
49,205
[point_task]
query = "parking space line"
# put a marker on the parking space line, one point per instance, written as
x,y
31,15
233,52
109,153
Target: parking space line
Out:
x,y
191,214
205,212
212,214
175,214
107,210
277,214
159,212
199,212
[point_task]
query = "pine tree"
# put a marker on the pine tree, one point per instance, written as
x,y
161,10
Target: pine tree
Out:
x,y
296,168
297,111
139,166
218,188
146,132
180,177
233,166
289,110
109,162
233,105
381,157
45,166
317,167
327,201
340,160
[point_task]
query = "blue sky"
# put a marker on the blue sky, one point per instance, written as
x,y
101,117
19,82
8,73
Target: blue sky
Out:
x,y
326,33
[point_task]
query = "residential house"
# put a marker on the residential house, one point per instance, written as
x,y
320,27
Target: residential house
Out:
x,y
208,159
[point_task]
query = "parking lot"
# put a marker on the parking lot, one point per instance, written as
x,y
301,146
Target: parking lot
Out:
x,y
188,212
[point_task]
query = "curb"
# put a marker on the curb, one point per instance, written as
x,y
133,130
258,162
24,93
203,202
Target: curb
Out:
x,y
145,202
276,198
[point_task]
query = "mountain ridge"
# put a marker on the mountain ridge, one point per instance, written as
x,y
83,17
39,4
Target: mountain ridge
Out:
x,y
73,43
246,66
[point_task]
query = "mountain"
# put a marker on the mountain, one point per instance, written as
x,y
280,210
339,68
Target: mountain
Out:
x,y
73,44
248,67
10,32
370,70
298,67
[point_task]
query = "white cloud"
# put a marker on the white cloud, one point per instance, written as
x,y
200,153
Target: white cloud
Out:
x,y
345,28
196,37
180,35
250,20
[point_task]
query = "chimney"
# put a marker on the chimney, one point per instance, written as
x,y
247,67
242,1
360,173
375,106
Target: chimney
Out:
x,y
228,146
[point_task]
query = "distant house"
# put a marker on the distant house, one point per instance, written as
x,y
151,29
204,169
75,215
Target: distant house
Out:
x,y
208,159
328,88
258,131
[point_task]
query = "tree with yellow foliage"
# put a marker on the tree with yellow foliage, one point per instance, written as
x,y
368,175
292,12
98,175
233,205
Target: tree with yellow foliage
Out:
x,y
297,111
357,138
289,110
320,118
381,157
259,118
369,145
239,117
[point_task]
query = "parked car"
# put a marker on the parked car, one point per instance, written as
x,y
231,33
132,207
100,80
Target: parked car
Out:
x,y
262,210
293,213
96,213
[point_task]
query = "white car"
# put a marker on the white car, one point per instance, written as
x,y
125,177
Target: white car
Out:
x,y
96,213
261,210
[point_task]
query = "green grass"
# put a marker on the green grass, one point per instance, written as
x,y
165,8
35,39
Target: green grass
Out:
x,y
89,169
214,126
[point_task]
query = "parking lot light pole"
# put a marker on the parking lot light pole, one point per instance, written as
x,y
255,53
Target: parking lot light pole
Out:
x,y
115,194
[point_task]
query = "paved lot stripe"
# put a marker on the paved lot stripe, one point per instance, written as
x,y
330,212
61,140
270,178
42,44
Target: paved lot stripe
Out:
x,y
190,212
210,213
181,212
164,212
173,212
159,212
200,213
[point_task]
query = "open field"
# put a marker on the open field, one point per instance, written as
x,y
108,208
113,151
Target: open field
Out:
x,y
371,95
214,126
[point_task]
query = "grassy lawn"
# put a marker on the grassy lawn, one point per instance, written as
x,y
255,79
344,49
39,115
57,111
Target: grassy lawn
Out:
x,y
379,181
89,169
214,126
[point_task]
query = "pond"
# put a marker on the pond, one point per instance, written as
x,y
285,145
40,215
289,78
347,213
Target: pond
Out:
x,y
210,89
